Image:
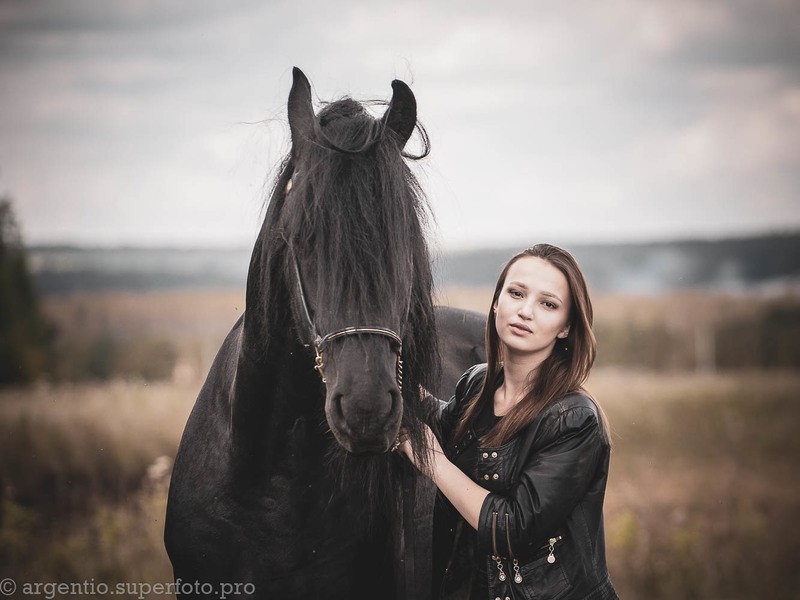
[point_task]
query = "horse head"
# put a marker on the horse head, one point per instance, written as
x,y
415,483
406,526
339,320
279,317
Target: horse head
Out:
x,y
356,263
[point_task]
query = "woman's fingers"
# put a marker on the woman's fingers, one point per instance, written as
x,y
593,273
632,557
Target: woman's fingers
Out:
x,y
404,445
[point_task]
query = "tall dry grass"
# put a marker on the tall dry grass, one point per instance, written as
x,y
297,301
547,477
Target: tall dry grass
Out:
x,y
704,494
83,478
702,502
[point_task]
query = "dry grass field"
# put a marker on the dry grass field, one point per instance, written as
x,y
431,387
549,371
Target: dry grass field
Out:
x,y
704,494
703,499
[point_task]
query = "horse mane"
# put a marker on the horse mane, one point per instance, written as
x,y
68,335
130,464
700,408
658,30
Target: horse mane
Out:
x,y
357,215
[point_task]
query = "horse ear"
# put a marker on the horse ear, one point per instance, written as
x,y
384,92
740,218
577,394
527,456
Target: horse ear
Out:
x,y
401,116
301,112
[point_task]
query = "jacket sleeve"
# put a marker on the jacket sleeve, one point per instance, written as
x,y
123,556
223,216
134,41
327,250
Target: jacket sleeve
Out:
x,y
442,410
466,386
549,486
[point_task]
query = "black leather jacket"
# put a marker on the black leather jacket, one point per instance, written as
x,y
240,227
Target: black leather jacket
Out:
x,y
540,530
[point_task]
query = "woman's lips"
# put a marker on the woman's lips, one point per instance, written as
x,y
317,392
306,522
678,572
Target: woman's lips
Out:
x,y
521,328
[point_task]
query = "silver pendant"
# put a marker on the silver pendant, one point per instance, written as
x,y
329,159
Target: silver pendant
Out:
x,y
551,559
517,578
502,576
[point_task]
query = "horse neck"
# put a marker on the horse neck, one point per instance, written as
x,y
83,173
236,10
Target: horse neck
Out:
x,y
277,397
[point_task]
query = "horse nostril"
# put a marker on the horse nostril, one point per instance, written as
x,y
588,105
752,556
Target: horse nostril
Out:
x,y
396,407
336,406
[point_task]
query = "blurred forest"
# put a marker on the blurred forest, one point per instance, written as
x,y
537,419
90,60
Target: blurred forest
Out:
x,y
24,333
701,388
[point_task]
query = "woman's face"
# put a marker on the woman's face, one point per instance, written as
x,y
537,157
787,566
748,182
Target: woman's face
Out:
x,y
532,310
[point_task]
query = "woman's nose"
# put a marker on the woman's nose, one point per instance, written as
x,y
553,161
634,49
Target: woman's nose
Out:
x,y
526,310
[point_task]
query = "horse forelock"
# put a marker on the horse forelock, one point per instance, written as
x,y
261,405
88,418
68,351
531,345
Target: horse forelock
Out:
x,y
356,223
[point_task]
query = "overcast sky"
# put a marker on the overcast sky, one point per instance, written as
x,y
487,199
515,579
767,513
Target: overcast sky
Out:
x,y
148,122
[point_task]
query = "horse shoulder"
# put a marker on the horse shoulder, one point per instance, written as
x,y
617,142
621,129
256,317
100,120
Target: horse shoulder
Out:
x,y
461,344
197,502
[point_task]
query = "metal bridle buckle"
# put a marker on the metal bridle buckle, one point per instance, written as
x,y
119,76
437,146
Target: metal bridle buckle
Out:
x,y
318,364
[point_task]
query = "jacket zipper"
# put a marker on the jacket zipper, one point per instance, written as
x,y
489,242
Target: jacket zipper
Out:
x,y
501,575
514,561
551,558
494,533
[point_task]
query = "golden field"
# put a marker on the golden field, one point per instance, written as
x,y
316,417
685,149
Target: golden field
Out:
x,y
703,499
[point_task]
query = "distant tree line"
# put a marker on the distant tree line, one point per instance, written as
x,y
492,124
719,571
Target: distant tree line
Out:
x,y
654,267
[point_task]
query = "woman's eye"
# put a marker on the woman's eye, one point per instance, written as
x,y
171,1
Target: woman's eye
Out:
x,y
550,305
515,293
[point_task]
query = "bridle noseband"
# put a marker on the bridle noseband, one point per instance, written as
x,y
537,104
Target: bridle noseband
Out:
x,y
321,342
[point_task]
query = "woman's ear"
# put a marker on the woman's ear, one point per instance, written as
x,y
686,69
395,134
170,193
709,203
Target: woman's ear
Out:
x,y
563,333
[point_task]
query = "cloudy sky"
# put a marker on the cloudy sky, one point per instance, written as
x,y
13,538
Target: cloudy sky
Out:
x,y
149,122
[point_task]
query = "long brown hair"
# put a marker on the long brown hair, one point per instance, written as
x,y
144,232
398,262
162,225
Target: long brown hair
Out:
x,y
564,371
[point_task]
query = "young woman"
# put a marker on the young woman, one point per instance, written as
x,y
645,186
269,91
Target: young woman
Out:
x,y
523,463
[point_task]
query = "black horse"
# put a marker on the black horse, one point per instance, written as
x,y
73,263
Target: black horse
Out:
x,y
284,482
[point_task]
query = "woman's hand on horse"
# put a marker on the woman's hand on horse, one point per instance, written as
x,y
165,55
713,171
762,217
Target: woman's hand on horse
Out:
x,y
432,443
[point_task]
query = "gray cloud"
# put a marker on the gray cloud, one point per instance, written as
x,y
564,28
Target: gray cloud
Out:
x,y
149,122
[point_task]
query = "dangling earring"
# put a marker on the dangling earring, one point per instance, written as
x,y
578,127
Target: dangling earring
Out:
x,y
566,344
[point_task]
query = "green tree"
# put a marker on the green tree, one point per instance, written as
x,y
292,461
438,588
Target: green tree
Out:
x,y
24,332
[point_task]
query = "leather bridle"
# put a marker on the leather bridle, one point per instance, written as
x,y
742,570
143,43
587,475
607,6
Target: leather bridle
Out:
x,y
321,341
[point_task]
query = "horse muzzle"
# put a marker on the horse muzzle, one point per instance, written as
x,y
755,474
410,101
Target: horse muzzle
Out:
x,y
365,424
